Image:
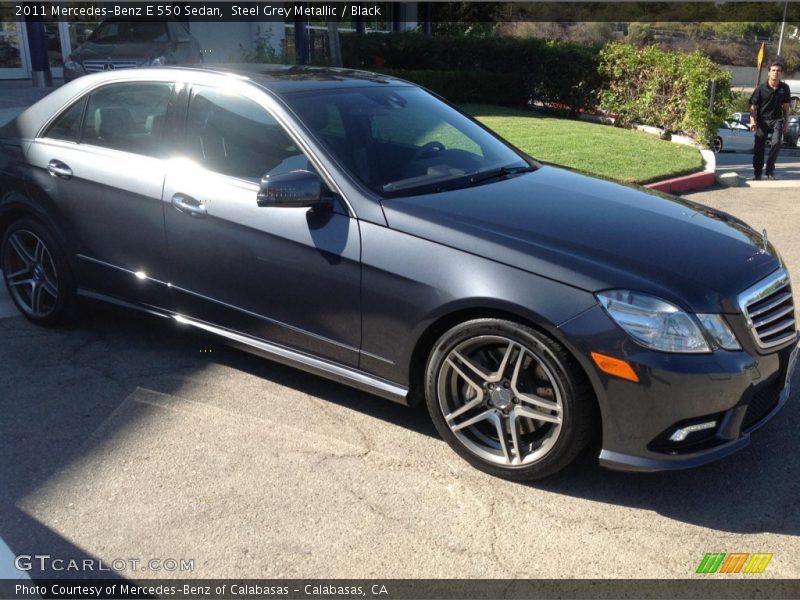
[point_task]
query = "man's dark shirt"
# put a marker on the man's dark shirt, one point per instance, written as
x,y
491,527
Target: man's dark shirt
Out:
x,y
770,102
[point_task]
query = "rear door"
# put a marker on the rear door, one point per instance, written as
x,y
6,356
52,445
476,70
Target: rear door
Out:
x,y
101,160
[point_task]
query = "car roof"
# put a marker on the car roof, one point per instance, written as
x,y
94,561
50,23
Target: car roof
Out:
x,y
278,79
284,79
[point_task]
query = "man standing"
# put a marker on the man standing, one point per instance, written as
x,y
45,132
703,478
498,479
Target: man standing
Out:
x,y
769,118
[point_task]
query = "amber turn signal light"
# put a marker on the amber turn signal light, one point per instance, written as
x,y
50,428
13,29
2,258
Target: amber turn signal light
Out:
x,y
615,366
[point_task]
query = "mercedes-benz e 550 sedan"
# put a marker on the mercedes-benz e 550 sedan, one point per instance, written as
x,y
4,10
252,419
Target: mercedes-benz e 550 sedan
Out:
x,y
359,227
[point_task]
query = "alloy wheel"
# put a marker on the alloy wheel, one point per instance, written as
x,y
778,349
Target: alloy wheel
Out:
x,y
500,400
30,274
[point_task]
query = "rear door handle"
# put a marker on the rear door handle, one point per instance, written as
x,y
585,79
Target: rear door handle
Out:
x,y
187,204
56,168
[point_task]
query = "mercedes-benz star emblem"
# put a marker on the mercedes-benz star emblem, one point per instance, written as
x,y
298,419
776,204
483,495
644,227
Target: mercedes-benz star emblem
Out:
x,y
108,67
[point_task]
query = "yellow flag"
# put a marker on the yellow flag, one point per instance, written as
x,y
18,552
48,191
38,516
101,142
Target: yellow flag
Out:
x,y
761,55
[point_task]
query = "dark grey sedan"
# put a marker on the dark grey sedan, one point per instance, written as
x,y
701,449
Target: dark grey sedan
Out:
x,y
360,228
118,44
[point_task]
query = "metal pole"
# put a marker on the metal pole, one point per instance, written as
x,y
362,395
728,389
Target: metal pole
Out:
x,y
37,44
711,101
783,24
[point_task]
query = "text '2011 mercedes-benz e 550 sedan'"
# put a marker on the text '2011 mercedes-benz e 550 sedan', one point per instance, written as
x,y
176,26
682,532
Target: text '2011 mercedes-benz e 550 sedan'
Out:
x,y
358,227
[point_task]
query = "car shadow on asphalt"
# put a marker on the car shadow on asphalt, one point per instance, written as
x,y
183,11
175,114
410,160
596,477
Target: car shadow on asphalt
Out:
x,y
755,490
60,389
64,398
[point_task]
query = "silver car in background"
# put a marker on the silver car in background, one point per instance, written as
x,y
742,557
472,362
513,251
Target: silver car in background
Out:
x,y
733,136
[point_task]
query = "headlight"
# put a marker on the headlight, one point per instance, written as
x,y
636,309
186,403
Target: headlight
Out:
x,y
719,331
72,65
654,323
159,61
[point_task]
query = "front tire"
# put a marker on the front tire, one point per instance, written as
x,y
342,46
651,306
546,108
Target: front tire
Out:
x,y
508,399
36,273
717,145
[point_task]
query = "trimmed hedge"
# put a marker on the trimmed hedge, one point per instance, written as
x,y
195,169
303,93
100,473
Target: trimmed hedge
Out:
x,y
550,71
468,87
666,89
648,85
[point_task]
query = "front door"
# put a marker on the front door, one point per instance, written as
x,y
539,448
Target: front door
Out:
x,y
286,275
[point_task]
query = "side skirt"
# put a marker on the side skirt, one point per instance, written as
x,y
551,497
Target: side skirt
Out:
x,y
293,358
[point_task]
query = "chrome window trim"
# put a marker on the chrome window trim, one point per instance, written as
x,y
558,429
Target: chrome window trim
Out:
x,y
766,287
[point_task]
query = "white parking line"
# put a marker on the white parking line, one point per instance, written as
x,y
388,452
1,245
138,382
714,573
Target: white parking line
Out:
x,y
7,568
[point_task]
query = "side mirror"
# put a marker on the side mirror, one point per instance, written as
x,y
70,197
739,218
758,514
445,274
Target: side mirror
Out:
x,y
294,189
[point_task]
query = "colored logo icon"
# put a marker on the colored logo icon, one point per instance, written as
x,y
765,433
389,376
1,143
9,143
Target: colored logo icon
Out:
x,y
734,562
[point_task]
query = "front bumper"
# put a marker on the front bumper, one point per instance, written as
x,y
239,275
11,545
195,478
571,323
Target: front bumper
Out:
x,y
739,391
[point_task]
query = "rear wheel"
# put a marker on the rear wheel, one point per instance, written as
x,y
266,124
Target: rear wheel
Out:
x,y
508,399
717,145
36,273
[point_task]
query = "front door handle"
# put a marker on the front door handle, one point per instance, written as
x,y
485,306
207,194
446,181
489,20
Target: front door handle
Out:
x,y
187,204
56,168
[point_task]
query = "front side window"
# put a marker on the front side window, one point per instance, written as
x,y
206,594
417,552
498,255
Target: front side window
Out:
x,y
402,140
128,117
234,136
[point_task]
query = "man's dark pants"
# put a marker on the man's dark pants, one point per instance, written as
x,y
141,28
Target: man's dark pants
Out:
x,y
772,130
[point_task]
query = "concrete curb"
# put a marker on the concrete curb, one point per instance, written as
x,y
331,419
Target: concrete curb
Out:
x,y
695,181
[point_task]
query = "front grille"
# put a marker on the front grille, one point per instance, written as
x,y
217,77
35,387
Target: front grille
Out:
x,y
761,404
96,66
769,309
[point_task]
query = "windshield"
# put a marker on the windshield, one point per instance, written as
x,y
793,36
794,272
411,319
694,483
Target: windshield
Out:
x,y
122,32
404,141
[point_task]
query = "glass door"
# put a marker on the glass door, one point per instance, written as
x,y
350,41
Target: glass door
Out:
x,y
13,51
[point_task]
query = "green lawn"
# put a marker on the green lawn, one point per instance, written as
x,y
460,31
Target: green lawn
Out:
x,y
620,154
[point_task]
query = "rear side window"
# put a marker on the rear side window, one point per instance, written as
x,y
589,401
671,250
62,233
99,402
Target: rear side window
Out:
x,y
234,136
128,117
68,124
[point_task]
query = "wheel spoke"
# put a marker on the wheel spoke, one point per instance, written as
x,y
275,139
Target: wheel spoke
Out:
x,y
504,363
20,282
466,408
50,287
36,297
473,367
538,401
40,252
12,277
487,415
527,397
516,446
473,384
21,250
501,437
526,411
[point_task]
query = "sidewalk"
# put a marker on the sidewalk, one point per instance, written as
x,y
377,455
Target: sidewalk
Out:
x,y
16,96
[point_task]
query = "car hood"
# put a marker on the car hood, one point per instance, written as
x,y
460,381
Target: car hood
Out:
x,y
594,234
133,51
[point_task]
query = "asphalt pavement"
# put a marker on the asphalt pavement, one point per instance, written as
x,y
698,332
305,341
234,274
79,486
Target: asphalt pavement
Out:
x,y
787,169
127,437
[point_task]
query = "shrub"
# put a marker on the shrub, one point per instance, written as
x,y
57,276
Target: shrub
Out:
x,y
665,89
468,87
549,71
